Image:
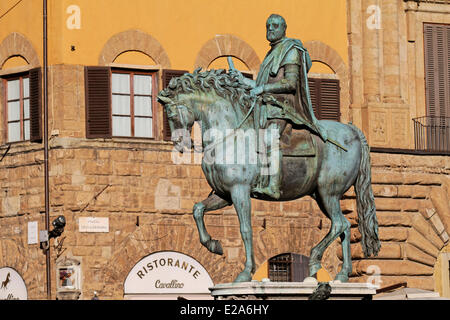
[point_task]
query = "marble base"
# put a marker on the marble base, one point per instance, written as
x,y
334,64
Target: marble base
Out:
x,y
268,290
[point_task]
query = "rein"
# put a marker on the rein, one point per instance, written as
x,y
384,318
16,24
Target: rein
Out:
x,y
248,113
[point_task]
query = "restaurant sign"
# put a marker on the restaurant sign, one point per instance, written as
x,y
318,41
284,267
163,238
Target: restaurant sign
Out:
x,y
167,272
12,286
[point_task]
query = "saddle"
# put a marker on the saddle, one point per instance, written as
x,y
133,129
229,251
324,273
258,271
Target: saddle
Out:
x,y
297,143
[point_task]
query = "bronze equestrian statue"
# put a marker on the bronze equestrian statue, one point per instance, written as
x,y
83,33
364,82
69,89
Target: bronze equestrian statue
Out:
x,y
319,158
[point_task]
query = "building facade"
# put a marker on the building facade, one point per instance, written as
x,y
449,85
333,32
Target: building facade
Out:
x,y
126,198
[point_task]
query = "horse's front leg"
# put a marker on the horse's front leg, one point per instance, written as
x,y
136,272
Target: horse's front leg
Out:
x,y
213,202
240,195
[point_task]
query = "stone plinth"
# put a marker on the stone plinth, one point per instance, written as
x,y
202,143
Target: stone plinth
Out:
x,y
267,290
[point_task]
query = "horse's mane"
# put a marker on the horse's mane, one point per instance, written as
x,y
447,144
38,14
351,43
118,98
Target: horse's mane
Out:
x,y
227,85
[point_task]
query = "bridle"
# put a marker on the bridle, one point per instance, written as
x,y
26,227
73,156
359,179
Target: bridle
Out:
x,y
181,116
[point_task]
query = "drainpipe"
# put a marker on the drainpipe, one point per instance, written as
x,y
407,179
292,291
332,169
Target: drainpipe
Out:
x,y
46,170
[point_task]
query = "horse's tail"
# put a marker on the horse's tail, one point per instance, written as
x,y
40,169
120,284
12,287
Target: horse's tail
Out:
x,y
365,202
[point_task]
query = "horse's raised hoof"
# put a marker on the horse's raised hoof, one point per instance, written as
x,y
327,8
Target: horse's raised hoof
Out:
x,y
244,276
214,246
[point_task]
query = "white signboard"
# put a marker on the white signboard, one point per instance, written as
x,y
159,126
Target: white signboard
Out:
x,y
93,224
12,286
168,272
32,232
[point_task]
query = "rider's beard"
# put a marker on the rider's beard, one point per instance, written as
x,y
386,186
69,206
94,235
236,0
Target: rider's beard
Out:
x,y
274,36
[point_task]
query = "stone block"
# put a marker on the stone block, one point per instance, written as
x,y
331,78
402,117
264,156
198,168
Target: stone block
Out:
x,y
122,168
388,191
85,239
388,204
418,240
393,233
98,167
415,254
11,206
444,236
390,178
387,251
426,229
83,251
394,267
440,199
437,224
393,219
423,179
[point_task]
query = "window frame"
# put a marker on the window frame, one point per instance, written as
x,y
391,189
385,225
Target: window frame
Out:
x,y
12,77
154,92
445,274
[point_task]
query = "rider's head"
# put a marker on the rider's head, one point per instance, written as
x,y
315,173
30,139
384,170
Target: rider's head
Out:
x,y
276,28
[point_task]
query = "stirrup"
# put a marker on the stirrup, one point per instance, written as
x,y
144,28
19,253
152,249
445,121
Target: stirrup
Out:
x,y
268,191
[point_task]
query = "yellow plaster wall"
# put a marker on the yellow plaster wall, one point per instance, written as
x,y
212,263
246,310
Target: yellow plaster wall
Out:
x,y
182,27
14,62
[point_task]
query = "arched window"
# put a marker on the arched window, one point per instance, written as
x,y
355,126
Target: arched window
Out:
x,y
325,98
222,63
325,92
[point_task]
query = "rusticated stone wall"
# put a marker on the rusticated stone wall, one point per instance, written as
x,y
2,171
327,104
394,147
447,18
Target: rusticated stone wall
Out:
x,y
148,201
412,201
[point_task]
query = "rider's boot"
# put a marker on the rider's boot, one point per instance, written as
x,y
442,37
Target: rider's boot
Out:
x,y
273,189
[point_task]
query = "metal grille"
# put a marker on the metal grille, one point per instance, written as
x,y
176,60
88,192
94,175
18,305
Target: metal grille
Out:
x,y
280,268
432,133
288,267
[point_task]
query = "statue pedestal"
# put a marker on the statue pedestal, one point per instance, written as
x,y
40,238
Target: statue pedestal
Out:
x,y
267,290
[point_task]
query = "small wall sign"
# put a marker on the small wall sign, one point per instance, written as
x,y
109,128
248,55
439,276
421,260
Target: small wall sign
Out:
x,y
93,224
12,286
32,232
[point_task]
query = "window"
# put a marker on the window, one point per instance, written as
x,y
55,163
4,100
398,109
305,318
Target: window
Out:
x,y
325,98
120,102
437,69
132,104
288,267
432,131
17,108
22,100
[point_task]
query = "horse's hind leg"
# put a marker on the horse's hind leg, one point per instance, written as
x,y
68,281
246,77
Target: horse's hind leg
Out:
x,y
339,227
213,202
346,254
240,195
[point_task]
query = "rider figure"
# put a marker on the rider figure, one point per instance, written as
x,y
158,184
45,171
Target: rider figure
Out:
x,y
283,74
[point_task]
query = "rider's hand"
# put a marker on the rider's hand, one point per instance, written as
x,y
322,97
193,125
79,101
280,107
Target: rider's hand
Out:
x,y
256,91
235,73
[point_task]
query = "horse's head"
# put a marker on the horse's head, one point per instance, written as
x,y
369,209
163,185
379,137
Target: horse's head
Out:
x,y
181,119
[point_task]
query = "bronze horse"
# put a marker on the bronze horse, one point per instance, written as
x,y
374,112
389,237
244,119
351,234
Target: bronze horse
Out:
x,y
221,103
